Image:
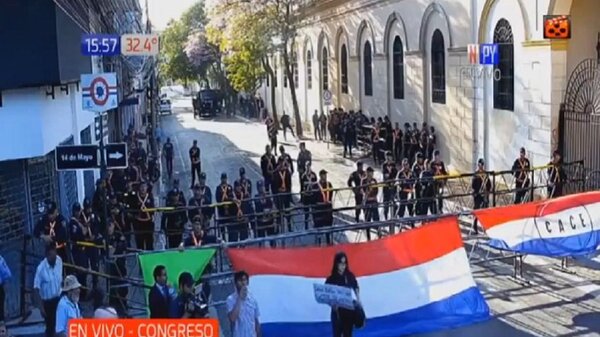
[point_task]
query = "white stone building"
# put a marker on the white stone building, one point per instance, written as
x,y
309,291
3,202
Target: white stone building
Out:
x,y
406,59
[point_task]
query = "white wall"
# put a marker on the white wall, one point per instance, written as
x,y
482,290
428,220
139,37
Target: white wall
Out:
x,y
468,126
36,123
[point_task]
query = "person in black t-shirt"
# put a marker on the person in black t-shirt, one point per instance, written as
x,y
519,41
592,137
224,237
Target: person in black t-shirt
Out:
x,y
342,320
195,162
168,151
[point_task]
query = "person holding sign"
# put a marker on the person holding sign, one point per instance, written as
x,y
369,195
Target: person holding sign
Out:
x,y
343,320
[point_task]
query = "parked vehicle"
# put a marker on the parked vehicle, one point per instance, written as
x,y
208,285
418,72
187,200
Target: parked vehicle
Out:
x,y
207,103
165,106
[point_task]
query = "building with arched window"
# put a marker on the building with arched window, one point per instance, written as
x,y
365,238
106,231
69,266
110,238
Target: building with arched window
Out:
x,y
409,60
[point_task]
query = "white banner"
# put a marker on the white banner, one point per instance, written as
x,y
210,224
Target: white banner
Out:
x,y
334,295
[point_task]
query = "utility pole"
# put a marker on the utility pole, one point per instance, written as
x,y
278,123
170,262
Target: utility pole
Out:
x,y
104,219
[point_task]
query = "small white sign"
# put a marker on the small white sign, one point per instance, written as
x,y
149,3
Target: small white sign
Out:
x,y
327,97
99,92
334,295
140,44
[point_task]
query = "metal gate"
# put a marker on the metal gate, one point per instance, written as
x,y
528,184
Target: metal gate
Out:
x,y
580,117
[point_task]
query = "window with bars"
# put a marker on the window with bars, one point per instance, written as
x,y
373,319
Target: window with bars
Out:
x,y
344,69
368,69
504,88
309,69
325,69
438,68
398,68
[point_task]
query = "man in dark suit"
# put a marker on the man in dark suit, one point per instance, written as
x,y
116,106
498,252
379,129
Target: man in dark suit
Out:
x,y
160,296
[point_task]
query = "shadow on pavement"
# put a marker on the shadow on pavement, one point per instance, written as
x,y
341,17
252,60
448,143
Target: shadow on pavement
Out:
x,y
492,328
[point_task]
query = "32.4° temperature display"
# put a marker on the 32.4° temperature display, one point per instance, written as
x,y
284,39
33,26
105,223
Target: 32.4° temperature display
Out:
x,y
139,44
100,45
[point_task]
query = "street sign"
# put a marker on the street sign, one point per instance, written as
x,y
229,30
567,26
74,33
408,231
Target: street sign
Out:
x,y
76,157
116,155
99,91
327,97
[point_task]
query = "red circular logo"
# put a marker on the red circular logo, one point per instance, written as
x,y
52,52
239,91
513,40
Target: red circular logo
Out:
x,y
99,81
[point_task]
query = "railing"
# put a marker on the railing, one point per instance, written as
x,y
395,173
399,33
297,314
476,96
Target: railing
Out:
x,y
457,199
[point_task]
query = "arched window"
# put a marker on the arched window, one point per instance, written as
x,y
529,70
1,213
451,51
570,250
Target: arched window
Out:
x,y
295,66
398,68
504,88
325,69
438,68
308,69
368,69
344,69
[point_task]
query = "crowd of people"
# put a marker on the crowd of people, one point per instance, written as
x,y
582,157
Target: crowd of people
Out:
x,y
412,183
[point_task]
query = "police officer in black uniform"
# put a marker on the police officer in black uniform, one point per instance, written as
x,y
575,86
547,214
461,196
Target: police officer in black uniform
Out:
x,y
245,184
77,235
417,168
556,176
264,208
324,204
272,133
52,229
268,163
389,174
521,168
482,187
168,152
397,138
355,181
439,170
195,162
118,269
406,185
173,222
370,193
349,136
427,191
317,126
282,184
304,156
224,194
240,229
93,238
287,158
307,196
201,200
143,222
407,143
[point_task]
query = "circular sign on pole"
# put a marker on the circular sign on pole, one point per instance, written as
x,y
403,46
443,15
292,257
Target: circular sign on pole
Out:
x,y
327,97
99,91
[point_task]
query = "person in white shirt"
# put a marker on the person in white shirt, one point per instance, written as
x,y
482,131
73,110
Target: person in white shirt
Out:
x,y
242,309
68,306
46,284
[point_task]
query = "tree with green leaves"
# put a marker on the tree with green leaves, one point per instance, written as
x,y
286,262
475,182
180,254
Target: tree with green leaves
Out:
x,y
245,37
174,63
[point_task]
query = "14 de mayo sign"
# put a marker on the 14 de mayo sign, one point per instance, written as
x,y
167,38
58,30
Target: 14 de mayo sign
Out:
x,y
99,91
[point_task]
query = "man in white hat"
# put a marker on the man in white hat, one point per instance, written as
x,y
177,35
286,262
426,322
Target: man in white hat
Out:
x,y
68,306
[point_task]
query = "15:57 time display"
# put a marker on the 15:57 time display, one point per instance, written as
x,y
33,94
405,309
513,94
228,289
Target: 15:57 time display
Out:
x,y
100,45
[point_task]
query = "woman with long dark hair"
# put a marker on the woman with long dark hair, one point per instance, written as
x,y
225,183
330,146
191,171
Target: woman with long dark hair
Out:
x,y
342,319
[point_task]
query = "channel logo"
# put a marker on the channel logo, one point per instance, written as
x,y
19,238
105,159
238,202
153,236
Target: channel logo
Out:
x,y
485,54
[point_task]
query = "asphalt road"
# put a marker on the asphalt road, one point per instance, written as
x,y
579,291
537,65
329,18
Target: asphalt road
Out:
x,y
555,304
